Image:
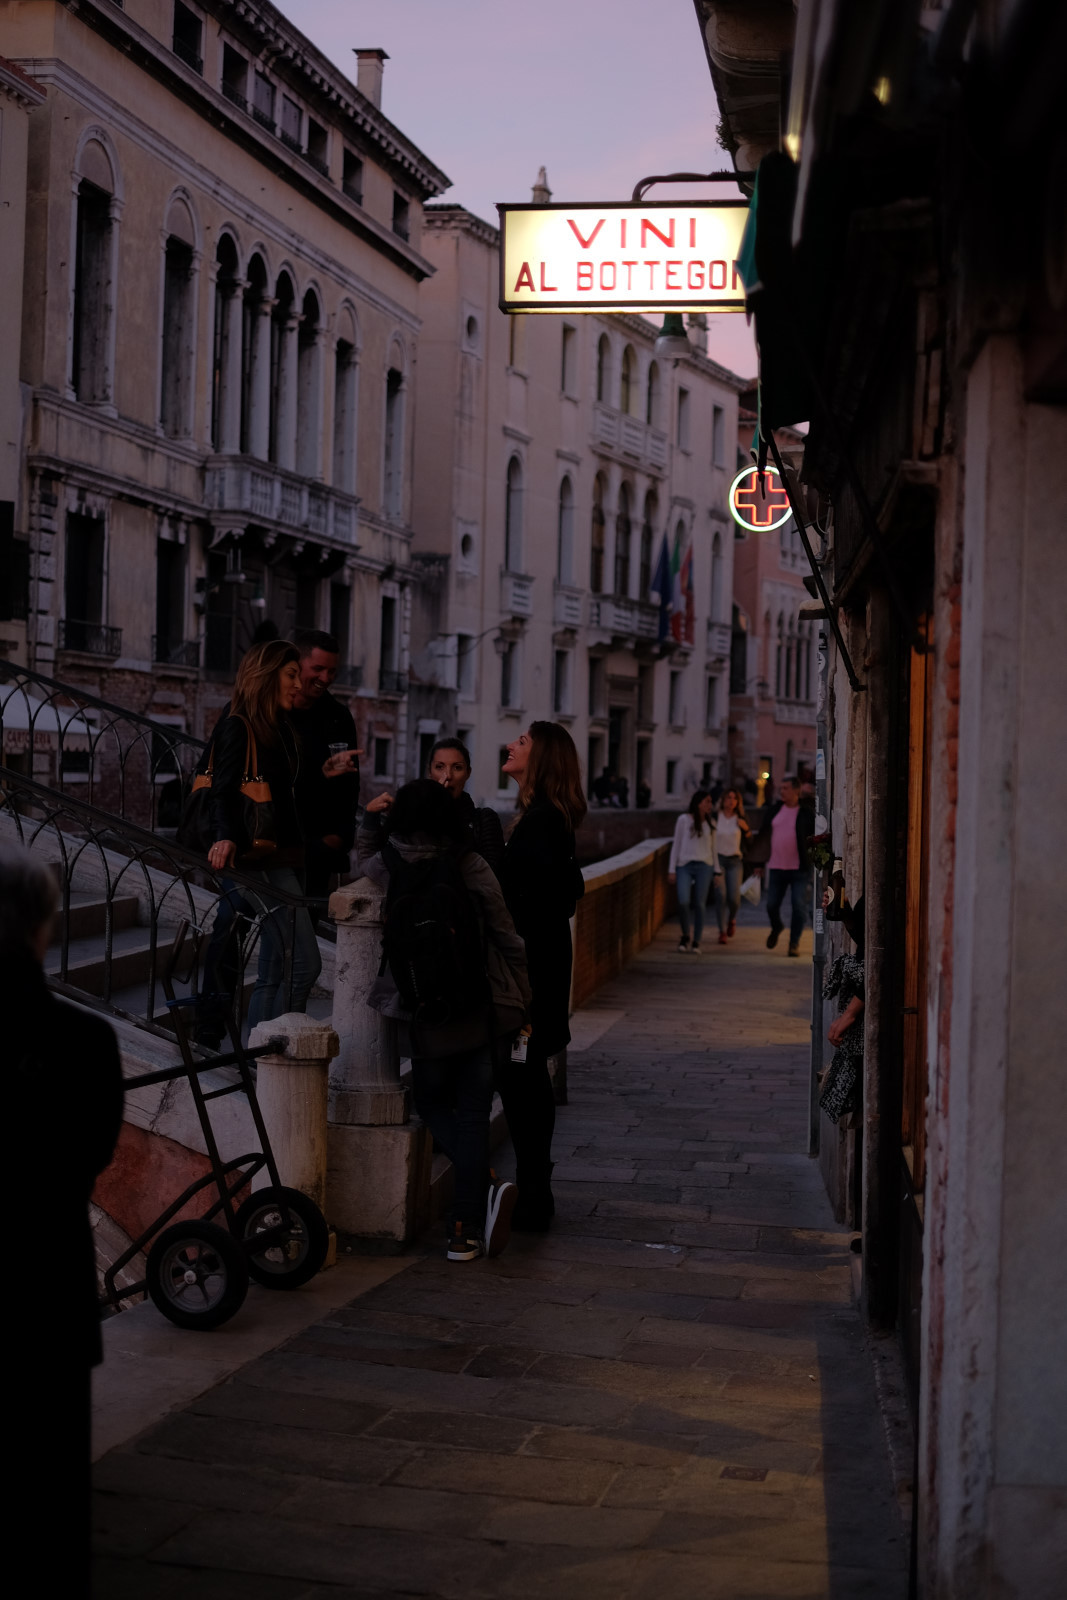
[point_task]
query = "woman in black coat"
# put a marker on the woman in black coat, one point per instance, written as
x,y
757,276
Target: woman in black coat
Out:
x,y
542,884
268,681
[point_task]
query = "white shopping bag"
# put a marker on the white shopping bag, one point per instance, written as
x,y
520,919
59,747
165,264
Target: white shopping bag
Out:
x,y
750,889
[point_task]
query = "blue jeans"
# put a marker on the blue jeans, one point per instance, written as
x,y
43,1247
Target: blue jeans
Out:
x,y
728,890
779,879
222,964
272,995
454,1096
693,875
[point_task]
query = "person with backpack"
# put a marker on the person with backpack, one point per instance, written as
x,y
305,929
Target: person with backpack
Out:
x,y
542,884
454,976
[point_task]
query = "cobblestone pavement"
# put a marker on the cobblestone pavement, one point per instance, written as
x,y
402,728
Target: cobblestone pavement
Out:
x,y
667,1396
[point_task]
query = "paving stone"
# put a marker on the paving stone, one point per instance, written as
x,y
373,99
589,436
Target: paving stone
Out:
x,y
625,1448
294,1450
537,1400
246,1487
123,1526
458,1513
519,1477
241,1402
141,1580
498,1434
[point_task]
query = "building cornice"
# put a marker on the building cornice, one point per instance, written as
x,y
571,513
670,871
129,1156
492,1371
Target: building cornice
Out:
x,y
443,218
18,86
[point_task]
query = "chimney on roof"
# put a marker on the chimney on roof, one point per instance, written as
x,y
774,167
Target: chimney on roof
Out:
x,y
542,194
369,74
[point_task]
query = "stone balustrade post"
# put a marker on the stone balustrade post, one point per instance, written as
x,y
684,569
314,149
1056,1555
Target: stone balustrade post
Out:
x,y
292,1091
378,1172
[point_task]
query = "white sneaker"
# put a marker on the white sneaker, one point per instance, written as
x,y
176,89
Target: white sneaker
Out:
x,y
499,1206
463,1246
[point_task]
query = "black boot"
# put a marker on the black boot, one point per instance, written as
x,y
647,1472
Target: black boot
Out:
x,y
535,1206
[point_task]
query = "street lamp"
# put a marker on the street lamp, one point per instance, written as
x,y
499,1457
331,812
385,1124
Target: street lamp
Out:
x,y
672,343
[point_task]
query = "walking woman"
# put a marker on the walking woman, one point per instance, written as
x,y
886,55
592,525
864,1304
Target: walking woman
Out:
x,y
690,866
730,830
268,681
542,884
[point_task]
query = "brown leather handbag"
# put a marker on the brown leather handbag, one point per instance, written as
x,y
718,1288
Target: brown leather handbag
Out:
x,y
196,830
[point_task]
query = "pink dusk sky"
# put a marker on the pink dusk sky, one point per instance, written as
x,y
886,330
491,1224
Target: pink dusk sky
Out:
x,y
600,92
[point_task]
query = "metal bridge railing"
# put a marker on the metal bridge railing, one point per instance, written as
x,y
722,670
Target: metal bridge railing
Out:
x,y
124,891
90,750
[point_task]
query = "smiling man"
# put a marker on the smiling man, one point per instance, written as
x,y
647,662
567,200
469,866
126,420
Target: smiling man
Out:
x,y
327,806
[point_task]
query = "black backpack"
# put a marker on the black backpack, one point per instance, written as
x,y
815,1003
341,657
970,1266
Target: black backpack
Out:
x,y
432,942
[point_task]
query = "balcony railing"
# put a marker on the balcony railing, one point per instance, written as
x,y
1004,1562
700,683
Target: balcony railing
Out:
x,y
265,493
175,652
292,142
91,638
626,619
187,53
264,119
354,192
231,92
629,435
567,606
794,711
718,639
349,677
516,594
317,162
392,681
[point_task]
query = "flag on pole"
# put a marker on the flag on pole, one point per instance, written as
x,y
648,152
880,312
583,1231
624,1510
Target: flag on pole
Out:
x,y
659,590
677,593
689,625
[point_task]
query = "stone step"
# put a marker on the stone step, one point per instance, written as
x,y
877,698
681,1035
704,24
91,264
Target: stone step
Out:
x,y
88,915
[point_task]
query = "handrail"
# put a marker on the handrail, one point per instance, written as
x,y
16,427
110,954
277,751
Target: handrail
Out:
x,y
111,861
93,700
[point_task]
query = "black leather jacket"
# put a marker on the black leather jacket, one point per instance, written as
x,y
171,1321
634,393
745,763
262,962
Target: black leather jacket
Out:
x,y
279,763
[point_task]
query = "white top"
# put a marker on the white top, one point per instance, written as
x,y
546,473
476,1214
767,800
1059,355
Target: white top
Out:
x,y
727,836
689,846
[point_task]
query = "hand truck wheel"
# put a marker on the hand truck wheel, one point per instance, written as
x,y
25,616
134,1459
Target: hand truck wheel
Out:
x,y
293,1250
197,1274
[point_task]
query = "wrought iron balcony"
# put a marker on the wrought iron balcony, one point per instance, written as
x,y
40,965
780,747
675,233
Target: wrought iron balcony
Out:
x,y
317,162
391,681
234,95
349,677
264,119
175,652
91,638
354,192
187,53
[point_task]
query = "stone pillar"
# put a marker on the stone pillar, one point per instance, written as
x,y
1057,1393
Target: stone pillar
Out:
x,y
292,1091
230,418
378,1174
287,393
259,408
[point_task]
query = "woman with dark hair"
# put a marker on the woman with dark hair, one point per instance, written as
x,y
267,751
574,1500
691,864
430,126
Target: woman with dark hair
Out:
x,y
542,883
268,680
455,978
450,766
690,866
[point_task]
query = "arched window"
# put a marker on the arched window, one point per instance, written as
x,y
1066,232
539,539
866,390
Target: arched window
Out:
x,y
779,661
628,382
283,331
622,543
716,579
648,539
565,533
603,369
226,350
652,397
596,546
513,517
178,334
95,260
345,375
309,389
393,462
255,362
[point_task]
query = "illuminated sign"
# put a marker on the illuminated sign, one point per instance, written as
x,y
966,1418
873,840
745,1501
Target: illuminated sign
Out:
x,y
756,507
659,256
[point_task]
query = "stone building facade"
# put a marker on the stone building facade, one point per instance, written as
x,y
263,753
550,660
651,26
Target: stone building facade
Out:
x,y
558,463
774,664
223,257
